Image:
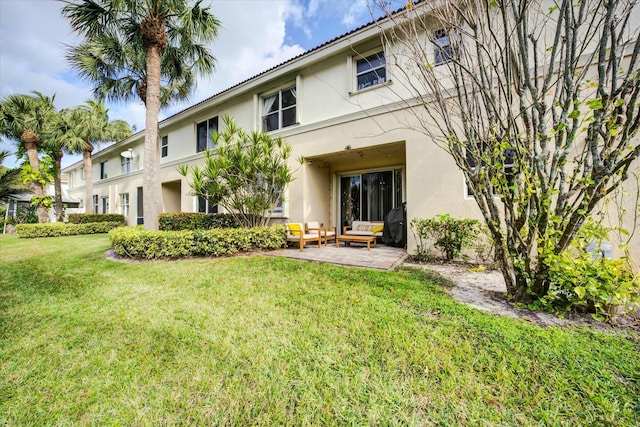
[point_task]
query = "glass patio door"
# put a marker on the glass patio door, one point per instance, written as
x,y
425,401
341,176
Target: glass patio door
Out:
x,y
369,196
349,199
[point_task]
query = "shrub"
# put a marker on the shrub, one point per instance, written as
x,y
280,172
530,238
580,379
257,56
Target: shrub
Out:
x,y
58,229
580,283
581,280
139,244
90,218
450,235
195,221
24,216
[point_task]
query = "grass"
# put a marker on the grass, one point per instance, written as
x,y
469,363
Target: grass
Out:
x,y
269,341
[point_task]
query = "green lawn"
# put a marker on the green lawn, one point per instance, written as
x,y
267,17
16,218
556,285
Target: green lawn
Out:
x,y
269,341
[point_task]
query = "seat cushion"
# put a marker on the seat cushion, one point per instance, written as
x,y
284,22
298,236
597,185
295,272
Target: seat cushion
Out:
x,y
294,228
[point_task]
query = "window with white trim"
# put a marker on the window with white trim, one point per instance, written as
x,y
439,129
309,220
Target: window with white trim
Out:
x,y
279,109
95,204
124,204
371,71
164,146
443,50
104,170
206,207
204,140
508,156
125,164
105,204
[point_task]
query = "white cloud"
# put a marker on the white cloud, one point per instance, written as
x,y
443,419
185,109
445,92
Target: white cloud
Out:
x,y
254,38
358,10
32,56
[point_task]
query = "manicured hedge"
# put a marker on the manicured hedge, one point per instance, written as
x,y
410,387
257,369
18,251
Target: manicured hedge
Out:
x,y
139,244
90,218
195,221
60,229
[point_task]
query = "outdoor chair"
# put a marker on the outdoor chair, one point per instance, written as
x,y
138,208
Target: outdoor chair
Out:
x,y
326,233
296,233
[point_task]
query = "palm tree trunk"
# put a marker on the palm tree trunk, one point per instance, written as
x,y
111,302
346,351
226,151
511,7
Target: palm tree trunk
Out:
x,y
88,180
151,184
58,186
32,154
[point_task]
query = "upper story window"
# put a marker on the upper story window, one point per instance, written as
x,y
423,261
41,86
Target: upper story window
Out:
x,y
279,109
371,71
125,164
104,170
204,140
443,51
164,146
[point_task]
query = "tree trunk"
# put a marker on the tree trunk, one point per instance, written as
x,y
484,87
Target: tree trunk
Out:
x,y
88,180
58,186
151,184
32,154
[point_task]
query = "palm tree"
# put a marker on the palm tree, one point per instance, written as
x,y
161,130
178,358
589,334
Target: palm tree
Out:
x,y
22,118
10,182
59,137
80,130
121,36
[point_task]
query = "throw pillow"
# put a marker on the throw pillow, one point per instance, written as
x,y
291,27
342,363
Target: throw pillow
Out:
x,y
295,229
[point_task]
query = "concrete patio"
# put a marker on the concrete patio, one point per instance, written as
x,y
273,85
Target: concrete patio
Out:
x,y
380,257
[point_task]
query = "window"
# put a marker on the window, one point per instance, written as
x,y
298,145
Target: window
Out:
x,y
203,134
105,204
140,206
471,161
206,207
103,170
507,162
164,146
371,71
443,51
95,204
278,209
125,164
124,204
279,109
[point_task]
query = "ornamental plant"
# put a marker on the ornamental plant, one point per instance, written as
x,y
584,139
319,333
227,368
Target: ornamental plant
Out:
x,y
246,173
582,279
450,235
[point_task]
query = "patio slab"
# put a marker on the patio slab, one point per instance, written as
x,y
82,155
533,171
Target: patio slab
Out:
x,y
380,257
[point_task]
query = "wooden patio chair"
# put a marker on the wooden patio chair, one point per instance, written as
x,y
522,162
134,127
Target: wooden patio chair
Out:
x,y
296,233
326,233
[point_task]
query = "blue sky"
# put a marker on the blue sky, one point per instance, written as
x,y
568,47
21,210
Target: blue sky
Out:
x,y
256,35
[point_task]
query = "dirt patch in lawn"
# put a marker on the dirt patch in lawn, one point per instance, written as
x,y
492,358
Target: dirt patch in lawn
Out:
x,y
485,290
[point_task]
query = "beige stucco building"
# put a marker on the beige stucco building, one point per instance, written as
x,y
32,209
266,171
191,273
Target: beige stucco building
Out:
x,y
338,105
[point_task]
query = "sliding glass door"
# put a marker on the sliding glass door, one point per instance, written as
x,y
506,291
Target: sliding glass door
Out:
x,y
349,199
369,196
